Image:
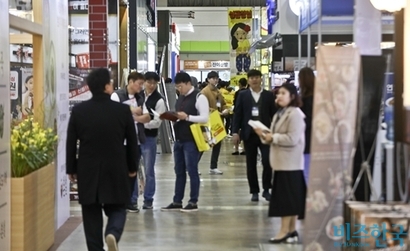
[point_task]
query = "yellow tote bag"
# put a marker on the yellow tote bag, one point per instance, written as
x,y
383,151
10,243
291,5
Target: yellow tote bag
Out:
x,y
202,136
216,124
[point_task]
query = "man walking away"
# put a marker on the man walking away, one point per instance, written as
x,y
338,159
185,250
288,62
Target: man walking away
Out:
x,y
254,104
192,107
216,102
130,95
243,83
153,101
104,165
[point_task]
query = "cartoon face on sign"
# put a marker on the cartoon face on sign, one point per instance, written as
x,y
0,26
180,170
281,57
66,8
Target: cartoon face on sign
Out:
x,y
240,43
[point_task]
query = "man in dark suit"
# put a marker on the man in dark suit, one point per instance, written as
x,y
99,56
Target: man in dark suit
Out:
x,y
104,165
243,84
254,104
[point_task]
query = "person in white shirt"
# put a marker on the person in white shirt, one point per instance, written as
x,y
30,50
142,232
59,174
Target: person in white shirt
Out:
x,y
154,101
191,107
130,95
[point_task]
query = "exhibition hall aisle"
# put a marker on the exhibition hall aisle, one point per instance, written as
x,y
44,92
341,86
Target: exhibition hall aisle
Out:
x,y
226,220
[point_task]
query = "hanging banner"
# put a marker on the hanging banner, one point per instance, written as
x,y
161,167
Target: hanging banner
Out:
x,y
304,16
5,114
314,11
333,140
240,25
271,6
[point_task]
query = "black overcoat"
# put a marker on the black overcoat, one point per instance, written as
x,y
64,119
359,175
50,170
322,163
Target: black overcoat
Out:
x,y
104,162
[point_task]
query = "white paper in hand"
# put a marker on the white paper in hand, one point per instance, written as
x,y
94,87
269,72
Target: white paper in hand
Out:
x,y
257,124
156,114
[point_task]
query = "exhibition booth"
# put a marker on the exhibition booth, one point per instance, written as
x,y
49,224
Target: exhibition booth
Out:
x,y
360,166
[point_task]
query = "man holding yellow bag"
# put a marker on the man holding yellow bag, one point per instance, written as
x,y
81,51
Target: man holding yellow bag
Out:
x,y
216,103
191,107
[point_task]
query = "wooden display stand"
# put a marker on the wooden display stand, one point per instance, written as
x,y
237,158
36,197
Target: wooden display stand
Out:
x,y
32,210
33,196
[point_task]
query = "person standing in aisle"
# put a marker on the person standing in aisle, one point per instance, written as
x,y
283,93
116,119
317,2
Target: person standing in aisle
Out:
x,y
103,165
216,102
287,142
254,104
307,86
192,107
243,84
130,95
153,101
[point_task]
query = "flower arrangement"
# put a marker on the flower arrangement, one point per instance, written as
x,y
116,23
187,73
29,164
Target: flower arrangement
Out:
x,y
32,147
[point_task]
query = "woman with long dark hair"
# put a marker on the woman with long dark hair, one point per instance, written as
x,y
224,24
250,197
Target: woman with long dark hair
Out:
x,y
307,86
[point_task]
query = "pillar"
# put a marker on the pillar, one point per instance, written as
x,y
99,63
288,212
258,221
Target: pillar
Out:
x,y
98,33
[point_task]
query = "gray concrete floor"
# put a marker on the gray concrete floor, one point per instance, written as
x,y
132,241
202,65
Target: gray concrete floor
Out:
x,y
226,220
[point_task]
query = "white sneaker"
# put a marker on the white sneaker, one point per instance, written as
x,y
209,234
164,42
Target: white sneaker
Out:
x,y
111,242
215,171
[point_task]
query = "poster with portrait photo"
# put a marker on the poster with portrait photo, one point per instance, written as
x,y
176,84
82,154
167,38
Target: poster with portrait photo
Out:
x,y
21,93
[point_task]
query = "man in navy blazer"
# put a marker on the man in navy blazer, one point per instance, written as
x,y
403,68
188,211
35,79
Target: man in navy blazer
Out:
x,y
254,104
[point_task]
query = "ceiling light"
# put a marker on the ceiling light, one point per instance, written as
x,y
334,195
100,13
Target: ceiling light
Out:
x,y
390,6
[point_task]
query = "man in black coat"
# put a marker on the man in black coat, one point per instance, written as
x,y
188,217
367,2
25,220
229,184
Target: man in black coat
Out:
x,y
254,103
104,165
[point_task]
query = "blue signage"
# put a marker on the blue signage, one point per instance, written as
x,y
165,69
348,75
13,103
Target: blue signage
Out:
x,y
271,6
337,8
314,11
389,106
304,17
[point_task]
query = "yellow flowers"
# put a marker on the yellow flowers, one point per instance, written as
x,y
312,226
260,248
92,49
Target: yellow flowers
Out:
x,y
32,147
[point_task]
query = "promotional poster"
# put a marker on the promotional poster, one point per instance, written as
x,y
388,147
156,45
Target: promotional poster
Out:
x,y
333,140
21,93
240,25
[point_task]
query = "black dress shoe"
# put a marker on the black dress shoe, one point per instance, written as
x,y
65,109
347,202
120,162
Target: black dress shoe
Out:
x,y
242,153
255,197
293,238
266,195
235,153
281,240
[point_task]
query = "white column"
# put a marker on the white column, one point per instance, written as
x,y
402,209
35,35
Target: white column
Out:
x,y
367,28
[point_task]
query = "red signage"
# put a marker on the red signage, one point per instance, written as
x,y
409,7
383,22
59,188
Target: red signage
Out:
x,y
240,14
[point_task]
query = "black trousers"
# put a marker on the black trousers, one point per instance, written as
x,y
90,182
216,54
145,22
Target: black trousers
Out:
x,y
228,122
134,179
93,223
216,150
251,150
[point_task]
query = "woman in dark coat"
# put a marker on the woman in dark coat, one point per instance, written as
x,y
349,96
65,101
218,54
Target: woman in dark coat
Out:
x,y
307,87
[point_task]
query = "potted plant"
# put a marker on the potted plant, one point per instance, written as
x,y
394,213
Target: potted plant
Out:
x,y
32,186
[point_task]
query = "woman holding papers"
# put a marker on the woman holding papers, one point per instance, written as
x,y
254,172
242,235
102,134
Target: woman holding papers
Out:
x,y
287,143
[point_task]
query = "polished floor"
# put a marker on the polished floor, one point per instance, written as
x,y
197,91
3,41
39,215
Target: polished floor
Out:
x,y
226,220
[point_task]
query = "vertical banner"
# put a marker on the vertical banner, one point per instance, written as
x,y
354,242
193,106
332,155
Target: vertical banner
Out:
x,y
5,171
333,140
304,16
58,73
314,11
389,106
240,37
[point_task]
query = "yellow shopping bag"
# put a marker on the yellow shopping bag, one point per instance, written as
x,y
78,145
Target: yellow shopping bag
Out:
x,y
218,132
202,136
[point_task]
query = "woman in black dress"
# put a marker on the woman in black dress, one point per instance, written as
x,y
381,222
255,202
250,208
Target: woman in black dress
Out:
x,y
287,143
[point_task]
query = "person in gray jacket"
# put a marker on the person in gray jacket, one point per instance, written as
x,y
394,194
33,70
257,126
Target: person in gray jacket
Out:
x,y
287,143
